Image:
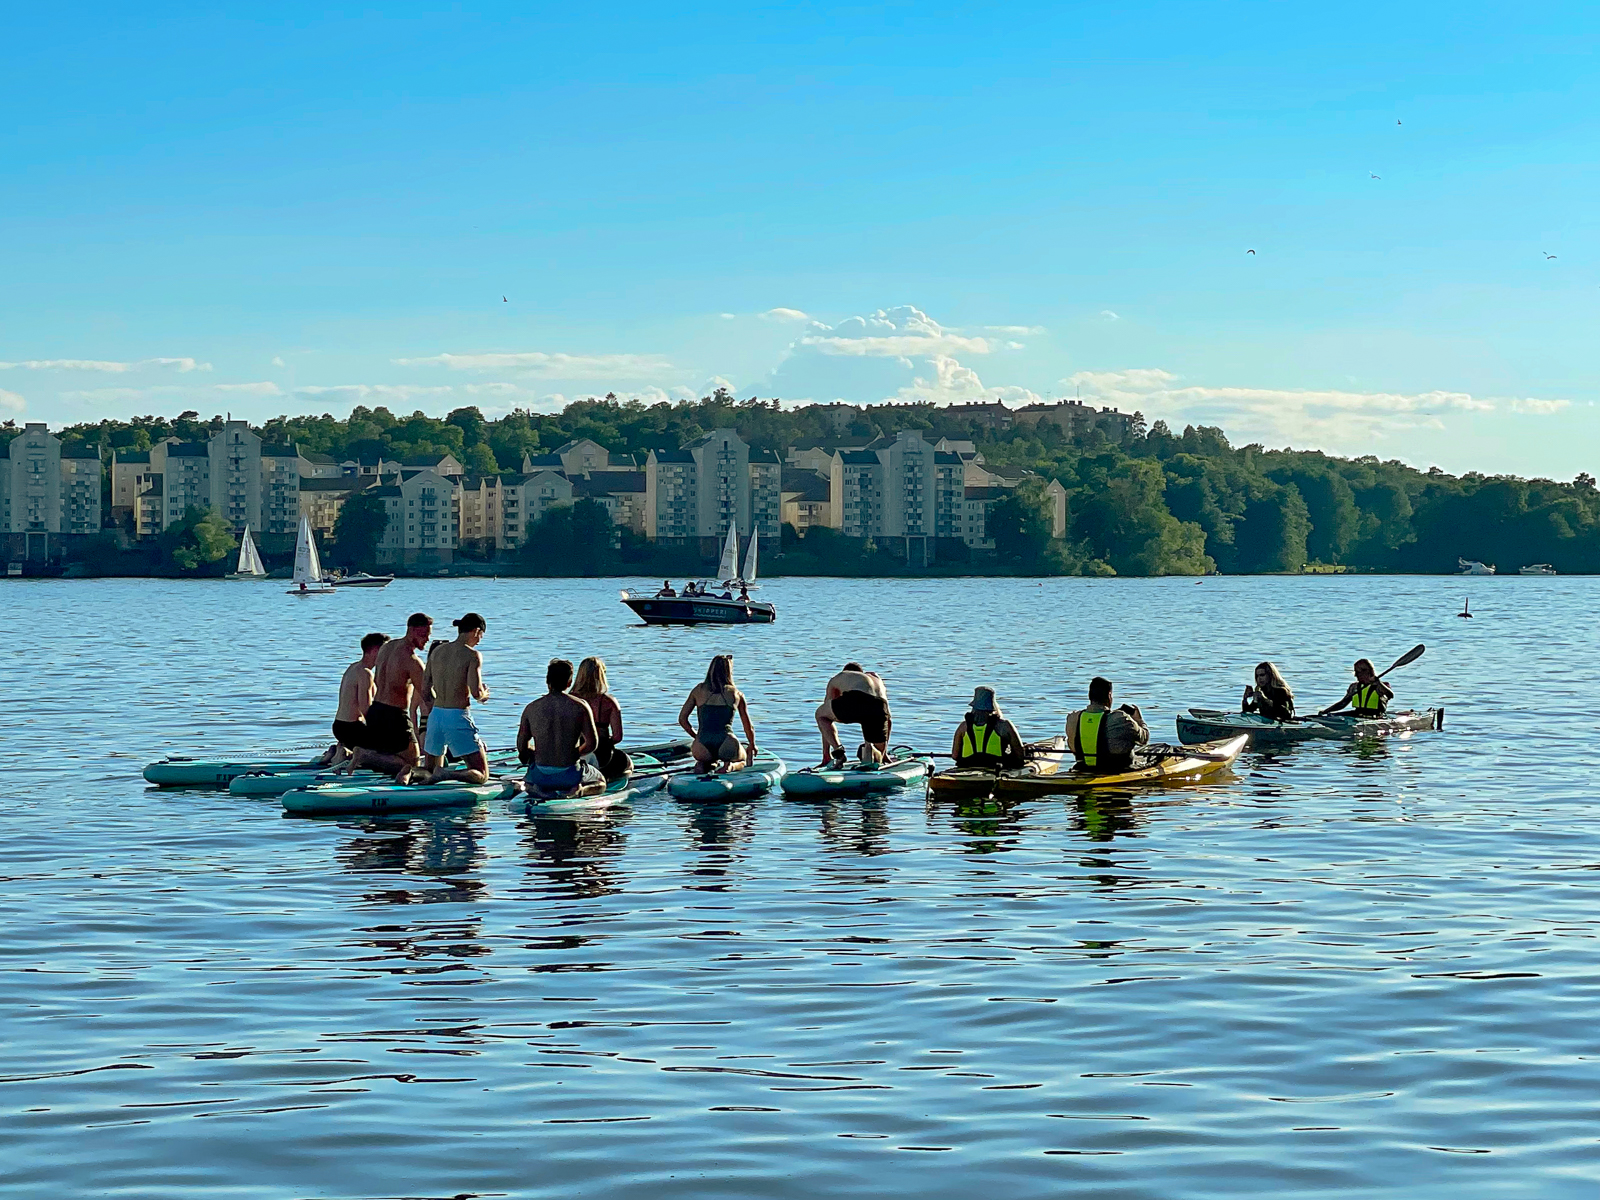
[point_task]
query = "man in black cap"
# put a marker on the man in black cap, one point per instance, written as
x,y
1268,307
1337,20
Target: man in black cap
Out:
x,y
454,679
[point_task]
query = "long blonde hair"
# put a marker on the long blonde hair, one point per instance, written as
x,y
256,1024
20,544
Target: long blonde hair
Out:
x,y
1276,677
591,679
719,679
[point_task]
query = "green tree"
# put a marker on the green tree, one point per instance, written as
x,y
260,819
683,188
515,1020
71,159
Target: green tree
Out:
x,y
1127,524
1020,524
361,524
480,460
198,541
572,539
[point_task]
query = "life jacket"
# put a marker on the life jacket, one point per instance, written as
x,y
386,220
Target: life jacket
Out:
x,y
1092,749
1368,701
981,746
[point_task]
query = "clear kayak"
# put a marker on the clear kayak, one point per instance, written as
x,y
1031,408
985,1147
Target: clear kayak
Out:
x,y
857,779
1208,724
392,797
751,780
1052,771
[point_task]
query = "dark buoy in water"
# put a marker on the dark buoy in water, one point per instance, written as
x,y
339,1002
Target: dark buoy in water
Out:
x,y
1465,607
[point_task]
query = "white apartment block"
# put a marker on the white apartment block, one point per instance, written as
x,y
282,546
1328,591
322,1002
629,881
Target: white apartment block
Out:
x,y
44,489
711,485
424,519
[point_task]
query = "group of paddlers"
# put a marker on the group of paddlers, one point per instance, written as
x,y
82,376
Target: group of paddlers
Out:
x,y
569,737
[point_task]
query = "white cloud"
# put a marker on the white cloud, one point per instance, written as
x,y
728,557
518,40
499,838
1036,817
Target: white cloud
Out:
x,y
729,316
360,393
550,366
181,365
1540,408
264,388
12,401
951,383
277,361
1109,315
784,314
1016,346
1328,418
903,332
1015,330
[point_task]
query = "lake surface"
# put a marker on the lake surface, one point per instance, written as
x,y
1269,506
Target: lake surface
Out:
x,y
1343,970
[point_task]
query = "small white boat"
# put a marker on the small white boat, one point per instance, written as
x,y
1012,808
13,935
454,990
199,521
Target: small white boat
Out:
x,y
1537,569
308,565
1465,566
250,565
359,579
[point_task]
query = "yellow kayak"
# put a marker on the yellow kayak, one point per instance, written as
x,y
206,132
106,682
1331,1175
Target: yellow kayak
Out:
x,y
1052,770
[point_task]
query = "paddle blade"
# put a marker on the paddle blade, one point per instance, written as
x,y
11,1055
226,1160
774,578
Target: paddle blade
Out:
x,y
1410,656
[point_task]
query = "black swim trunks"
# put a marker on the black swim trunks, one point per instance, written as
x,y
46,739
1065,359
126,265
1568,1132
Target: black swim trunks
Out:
x,y
352,735
866,710
389,729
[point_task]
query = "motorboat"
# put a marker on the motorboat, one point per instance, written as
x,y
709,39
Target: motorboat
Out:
x,y
1537,569
359,579
703,608
308,579
1466,566
250,564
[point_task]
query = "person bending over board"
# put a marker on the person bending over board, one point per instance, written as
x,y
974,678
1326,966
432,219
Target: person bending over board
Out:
x,y
1103,738
392,739
714,704
556,731
985,740
1368,696
355,695
454,679
855,697
1271,696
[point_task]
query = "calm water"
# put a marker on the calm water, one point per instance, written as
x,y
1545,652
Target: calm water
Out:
x,y
1345,970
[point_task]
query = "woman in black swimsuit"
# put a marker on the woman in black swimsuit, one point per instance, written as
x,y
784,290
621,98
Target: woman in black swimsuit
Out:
x,y
714,704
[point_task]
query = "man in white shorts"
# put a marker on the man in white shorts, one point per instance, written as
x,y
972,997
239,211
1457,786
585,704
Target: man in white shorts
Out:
x,y
454,678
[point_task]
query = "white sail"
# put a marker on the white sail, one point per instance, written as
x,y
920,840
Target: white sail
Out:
x,y
728,568
249,557
307,565
750,558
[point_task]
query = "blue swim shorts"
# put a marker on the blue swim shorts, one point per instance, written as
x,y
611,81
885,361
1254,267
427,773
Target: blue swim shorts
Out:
x,y
451,728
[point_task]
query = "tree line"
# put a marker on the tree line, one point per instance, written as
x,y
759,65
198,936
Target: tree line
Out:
x,y
1155,503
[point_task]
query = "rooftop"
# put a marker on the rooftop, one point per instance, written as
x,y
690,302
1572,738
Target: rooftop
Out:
x,y
188,450
132,456
81,450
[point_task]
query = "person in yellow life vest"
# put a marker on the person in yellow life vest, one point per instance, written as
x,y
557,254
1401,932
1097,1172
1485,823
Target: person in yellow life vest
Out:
x,y
1103,738
1368,696
985,739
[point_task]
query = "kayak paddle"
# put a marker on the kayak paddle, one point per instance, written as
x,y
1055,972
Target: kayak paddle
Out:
x,y
1410,656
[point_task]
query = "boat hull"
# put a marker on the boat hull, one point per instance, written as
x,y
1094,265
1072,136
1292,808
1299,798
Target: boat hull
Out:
x,y
700,610
1208,724
367,581
1053,773
216,773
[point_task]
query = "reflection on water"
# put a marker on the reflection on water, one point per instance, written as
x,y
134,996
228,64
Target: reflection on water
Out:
x,y
1347,969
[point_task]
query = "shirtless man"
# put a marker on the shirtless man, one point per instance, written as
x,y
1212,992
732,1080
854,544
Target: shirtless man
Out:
x,y
454,679
355,694
855,697
391,737
557,730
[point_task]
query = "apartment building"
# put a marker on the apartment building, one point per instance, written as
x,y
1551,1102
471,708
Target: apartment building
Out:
x,y
715,483
46,490
424,510
1076,419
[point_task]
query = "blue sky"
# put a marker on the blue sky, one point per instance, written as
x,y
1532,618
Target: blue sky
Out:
x,y
296,209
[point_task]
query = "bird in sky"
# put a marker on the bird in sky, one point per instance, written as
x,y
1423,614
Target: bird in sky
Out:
x,y
1249,251
1547,257
1397,120
503,300
1375,176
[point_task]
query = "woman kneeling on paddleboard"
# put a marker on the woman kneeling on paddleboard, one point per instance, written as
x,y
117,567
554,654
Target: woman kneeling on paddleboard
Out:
x,y
1271,696
714,703
591,688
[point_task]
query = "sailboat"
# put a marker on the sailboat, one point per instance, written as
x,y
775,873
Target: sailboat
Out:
x,y
308,579
250,566
728,568
749,576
